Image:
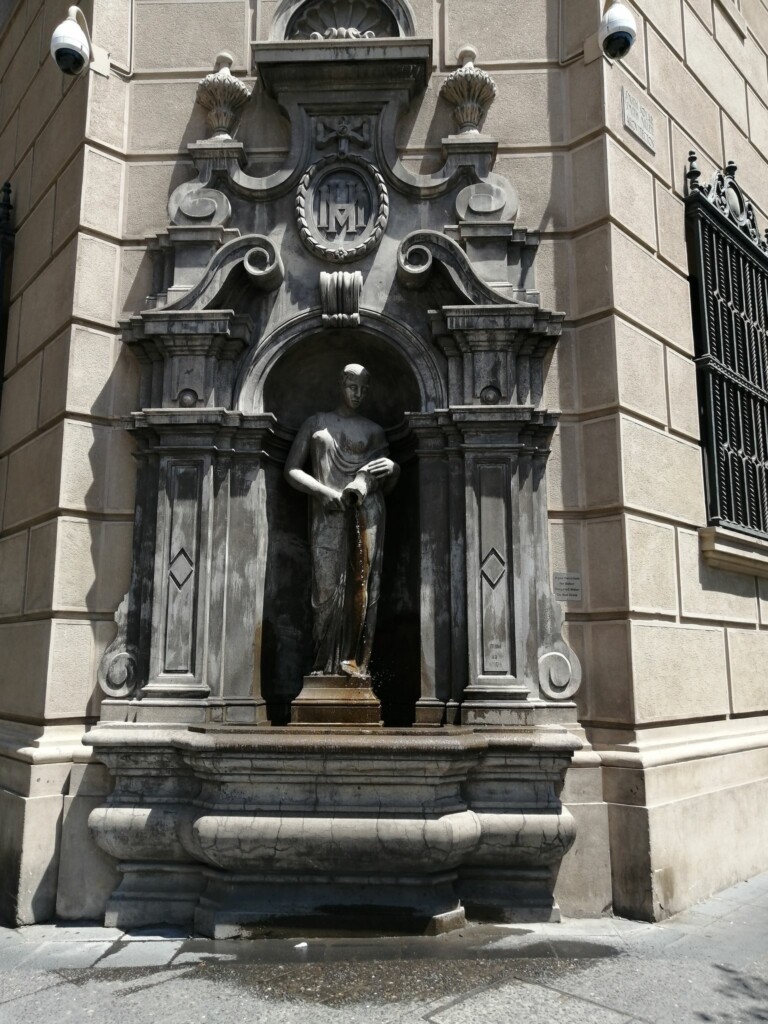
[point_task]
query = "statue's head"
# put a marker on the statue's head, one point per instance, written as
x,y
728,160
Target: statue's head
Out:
x,y
354,382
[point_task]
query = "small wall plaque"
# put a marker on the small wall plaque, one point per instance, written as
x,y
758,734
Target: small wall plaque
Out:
x,y
567,586
638,119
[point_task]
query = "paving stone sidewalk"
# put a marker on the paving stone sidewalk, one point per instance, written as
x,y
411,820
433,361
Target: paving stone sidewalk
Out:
x,y
707,965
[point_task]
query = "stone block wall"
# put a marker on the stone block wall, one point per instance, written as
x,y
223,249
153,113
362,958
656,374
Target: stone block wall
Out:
x,y
66,472
675,649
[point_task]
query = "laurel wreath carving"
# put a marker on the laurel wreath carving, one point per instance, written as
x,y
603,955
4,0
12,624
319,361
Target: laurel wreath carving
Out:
x,y
327,251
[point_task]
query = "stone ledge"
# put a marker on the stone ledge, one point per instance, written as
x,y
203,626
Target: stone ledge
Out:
x,y
38,744
734,552
662,748
736,18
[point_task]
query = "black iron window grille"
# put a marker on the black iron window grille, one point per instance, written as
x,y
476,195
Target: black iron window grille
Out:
x,y
728,267
6,254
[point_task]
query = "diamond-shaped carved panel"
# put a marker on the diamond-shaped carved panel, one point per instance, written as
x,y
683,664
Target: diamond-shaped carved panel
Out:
x,y
181,568
493,568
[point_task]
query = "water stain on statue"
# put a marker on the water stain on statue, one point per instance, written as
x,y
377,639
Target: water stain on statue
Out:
x,y
350,474
288,652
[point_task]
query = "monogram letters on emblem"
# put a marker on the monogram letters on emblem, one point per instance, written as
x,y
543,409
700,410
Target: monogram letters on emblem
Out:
x,y
342,207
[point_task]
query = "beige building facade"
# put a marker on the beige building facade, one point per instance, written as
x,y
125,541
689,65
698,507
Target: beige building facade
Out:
x,y
667,613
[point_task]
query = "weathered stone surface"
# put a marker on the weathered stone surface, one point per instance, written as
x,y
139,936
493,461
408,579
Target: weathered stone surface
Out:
x,y
708,593
13,568
436,832
24,668
671,224
746,658
630,194
33,243
668,662
682,96
32,487
163,39
47,302
21,401
651,565
661,473
714,70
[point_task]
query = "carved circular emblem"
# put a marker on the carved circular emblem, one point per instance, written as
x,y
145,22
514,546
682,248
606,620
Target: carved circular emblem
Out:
x,y
342,208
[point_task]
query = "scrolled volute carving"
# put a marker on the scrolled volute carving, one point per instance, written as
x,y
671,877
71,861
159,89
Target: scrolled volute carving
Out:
x,y
470,90
118,669
198,206
223,96
263,265
727,196
419,251
559,672
255,254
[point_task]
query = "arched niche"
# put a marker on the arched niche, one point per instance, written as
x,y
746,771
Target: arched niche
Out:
x,y
294,375
298,19
382,338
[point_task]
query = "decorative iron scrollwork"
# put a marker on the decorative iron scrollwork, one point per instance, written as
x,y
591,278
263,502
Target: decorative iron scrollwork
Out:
x,y
727,196
728,262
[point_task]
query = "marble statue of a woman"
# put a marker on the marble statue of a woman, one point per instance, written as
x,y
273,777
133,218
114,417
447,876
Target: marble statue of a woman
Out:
x,y
350,474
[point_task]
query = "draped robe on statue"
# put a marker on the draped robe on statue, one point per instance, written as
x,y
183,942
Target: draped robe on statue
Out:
x,y
347,544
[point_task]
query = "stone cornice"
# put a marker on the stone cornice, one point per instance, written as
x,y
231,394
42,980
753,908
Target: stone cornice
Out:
x,y
734,552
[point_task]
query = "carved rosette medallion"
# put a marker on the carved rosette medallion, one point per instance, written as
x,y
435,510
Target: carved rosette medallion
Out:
x,y
342,208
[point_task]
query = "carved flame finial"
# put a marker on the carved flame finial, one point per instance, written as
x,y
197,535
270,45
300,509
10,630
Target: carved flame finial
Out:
x,y
470,90
222,95
693,173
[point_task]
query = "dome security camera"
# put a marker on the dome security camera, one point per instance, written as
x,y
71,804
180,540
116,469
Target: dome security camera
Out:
x,y
72,49
618,31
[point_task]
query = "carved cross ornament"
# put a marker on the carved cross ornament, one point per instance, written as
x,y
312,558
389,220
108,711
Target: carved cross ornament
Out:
x,y
345,131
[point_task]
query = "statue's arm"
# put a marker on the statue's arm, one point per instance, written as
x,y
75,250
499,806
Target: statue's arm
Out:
x,y
298,477
381,467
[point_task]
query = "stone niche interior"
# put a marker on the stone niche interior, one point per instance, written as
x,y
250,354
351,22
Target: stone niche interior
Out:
x,y
286,644
231,813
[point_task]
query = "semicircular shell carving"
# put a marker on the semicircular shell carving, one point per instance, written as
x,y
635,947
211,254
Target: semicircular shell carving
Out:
x,y
342,19
342,208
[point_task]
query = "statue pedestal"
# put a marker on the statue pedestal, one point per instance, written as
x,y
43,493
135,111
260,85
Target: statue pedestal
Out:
x,y
336,700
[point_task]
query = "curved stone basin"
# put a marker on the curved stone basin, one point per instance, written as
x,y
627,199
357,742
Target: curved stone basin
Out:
x,y
233,829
